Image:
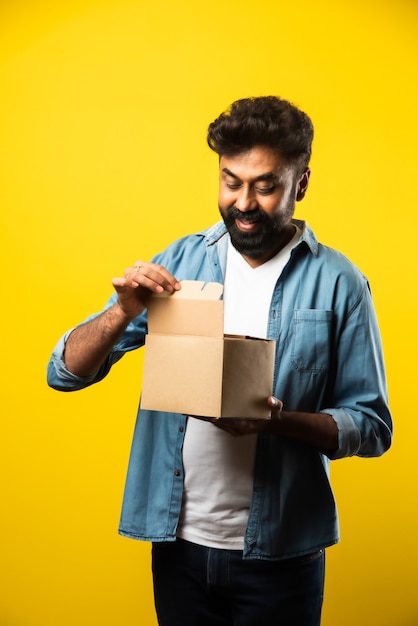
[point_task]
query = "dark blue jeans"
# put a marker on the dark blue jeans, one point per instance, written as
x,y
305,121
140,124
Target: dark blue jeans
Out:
x,y
199,586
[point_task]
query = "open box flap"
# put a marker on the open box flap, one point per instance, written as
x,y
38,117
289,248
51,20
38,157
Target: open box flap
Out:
x,y
195,310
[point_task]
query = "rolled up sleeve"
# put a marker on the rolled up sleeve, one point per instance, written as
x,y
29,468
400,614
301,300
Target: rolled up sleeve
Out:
x,y
61,379
360,403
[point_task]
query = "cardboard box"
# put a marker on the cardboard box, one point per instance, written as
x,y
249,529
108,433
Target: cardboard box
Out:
x,y
191,367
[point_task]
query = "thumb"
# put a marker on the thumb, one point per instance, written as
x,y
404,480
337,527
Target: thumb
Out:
x,y
275,403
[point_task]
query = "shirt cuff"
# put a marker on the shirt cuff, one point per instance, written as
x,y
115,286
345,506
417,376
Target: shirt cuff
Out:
x,y
59,377
349,438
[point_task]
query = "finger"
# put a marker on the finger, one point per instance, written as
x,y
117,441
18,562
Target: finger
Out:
x,y
203,418
152,276
118,283
160,275
276,405
130,272
227,427
275,402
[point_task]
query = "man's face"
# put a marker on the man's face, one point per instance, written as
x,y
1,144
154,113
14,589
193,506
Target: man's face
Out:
x,y
257,194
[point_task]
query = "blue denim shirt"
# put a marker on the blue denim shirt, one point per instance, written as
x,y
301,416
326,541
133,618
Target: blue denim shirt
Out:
x,y
328,359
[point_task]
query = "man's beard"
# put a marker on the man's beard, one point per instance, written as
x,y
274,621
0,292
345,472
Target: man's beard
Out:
x,y
265,238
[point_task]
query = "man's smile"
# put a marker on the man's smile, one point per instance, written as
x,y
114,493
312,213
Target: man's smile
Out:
x,y
247,226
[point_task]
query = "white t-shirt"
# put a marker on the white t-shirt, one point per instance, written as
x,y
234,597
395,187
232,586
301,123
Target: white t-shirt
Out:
x,y
218,467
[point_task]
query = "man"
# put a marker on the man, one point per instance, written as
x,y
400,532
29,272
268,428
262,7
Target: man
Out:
x,y
239,511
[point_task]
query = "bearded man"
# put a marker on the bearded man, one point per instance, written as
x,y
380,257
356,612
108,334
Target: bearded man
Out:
x,y
240,512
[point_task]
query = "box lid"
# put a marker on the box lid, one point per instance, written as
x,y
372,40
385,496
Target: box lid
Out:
x,y
197,309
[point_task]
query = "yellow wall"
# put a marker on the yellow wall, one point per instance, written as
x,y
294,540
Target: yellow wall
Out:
x,y
104,106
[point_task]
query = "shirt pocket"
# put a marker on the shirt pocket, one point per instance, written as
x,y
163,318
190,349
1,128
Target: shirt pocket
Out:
x,y
311,339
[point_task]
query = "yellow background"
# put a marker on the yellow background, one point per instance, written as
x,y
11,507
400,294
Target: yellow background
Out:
x,y
104,106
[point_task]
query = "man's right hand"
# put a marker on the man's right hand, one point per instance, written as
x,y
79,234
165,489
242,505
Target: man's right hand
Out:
x,y
89,344
138,284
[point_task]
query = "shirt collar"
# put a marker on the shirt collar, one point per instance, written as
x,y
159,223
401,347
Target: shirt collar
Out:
x,y
307,236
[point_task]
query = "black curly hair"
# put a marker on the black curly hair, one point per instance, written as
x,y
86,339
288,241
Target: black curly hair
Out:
x,y
263,121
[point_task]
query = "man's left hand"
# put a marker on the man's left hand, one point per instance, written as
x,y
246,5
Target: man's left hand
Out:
x,y
242,426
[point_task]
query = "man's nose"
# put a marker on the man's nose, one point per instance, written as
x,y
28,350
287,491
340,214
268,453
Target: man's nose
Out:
x,y
246,200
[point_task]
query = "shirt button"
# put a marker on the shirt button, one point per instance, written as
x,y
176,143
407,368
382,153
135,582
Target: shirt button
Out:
x,y
176,473
181,429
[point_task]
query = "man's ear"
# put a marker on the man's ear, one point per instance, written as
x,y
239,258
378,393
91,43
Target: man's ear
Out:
x,y
303,185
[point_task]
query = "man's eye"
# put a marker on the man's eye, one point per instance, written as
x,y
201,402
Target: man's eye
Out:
x,y
233,185
265,191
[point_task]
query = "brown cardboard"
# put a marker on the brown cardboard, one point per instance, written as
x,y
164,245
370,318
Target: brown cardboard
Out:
x,y
191,367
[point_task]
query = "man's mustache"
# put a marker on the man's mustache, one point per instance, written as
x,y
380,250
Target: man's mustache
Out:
x,y
248,217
